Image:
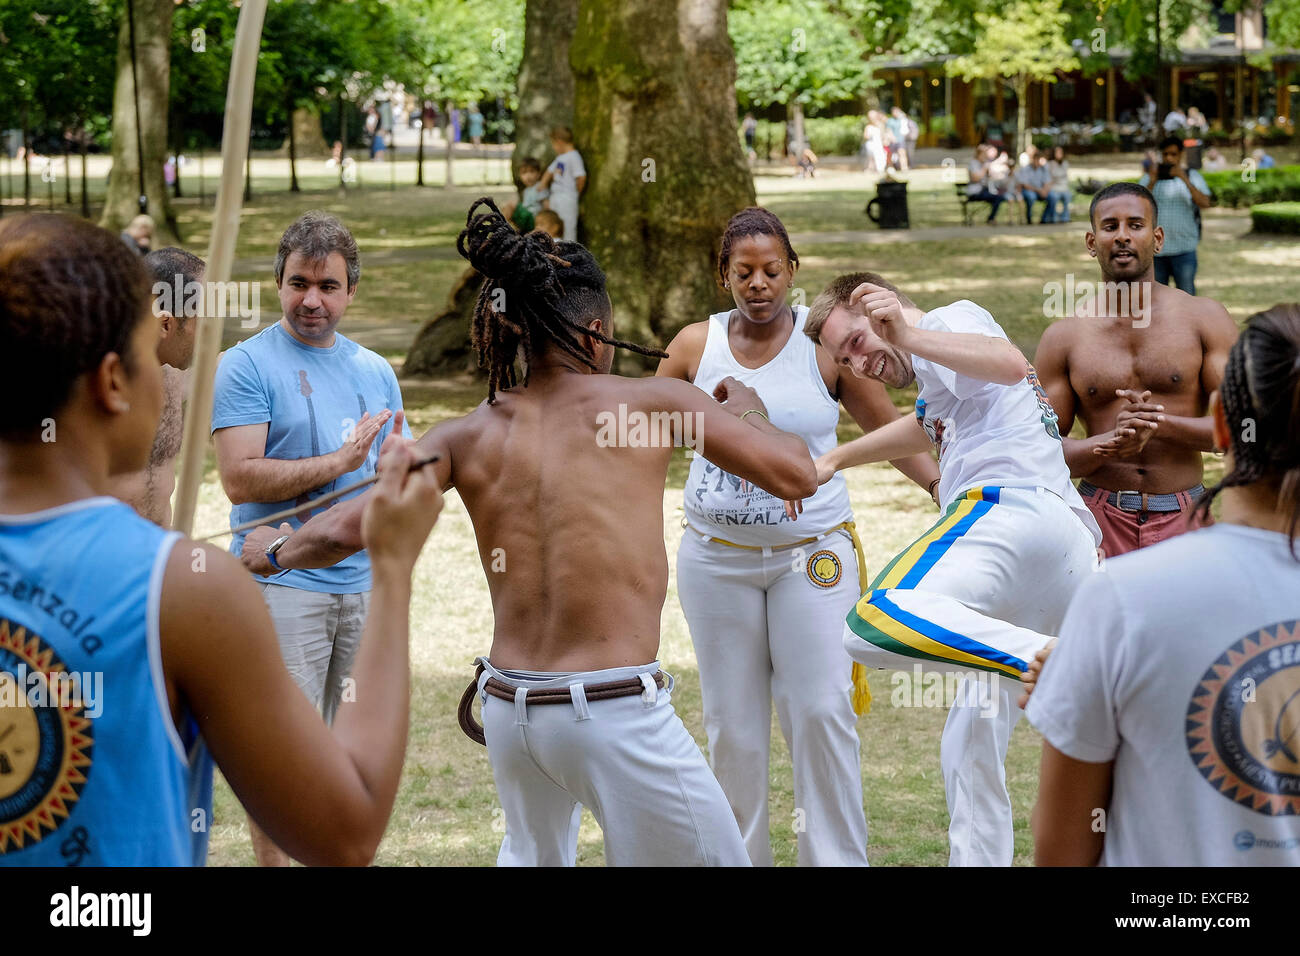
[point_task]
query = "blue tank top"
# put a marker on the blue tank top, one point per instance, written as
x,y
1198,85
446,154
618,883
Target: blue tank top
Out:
x,y
92,769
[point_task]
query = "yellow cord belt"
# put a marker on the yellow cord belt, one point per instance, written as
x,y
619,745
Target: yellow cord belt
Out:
x,y
861,691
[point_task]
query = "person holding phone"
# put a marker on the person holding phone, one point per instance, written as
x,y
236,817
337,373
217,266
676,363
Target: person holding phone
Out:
x,y
1180,195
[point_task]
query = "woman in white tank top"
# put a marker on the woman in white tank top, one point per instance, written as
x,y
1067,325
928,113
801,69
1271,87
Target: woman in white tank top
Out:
x,y
765,589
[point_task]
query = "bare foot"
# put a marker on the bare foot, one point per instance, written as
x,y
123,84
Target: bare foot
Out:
x,y
1030,677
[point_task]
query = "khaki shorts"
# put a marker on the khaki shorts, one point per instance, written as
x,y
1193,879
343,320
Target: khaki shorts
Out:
x,y
319,635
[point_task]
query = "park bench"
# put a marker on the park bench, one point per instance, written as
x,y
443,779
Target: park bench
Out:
x,y
966,201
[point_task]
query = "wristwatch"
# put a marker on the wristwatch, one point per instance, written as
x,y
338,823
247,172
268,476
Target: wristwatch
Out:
x,y
272,548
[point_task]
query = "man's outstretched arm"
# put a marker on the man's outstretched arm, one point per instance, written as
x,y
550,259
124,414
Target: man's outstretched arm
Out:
x,y
335,533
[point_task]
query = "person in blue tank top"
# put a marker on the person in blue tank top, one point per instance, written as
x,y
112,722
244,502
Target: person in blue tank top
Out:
x,y
128,652
764,587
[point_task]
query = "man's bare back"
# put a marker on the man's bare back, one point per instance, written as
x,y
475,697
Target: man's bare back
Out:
x,y
569,525
1084,363
570,533
149,492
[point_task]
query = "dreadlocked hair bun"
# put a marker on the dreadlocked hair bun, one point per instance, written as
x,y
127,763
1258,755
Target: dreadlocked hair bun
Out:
x,y
497,250
538,292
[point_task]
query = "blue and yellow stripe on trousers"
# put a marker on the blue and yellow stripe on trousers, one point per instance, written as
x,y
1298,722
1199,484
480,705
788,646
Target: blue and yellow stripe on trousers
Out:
x,y
880,621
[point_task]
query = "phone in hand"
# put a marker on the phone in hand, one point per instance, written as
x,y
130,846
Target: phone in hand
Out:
x,y
1165,171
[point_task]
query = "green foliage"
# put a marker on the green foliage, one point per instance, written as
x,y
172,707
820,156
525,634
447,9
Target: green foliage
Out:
x,y
56,61
795,51
1283,19
834,135
1283,217
1024,39
826,135
911,28
203,38
461,51
1280,184
314,51
1131,25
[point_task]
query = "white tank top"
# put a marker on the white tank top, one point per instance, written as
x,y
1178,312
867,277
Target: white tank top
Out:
x,y
791,386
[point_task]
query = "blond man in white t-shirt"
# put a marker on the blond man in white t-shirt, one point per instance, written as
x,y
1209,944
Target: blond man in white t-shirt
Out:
x,y
984,589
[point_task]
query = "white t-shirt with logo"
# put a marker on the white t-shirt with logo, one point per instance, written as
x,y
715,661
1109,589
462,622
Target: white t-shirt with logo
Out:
x,y
989,434
567,167
1181,663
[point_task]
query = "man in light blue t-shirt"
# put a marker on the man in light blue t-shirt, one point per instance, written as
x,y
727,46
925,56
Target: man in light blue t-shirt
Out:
x,y
298,411
1180,195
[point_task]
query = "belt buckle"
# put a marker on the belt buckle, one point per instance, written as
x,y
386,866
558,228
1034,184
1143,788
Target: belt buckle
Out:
x,y
1119,501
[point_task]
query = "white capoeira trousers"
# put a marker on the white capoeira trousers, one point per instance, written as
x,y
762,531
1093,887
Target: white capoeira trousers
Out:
x,y
978,594
764,630
630,760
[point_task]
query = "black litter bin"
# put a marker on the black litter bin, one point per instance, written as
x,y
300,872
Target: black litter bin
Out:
x,y
1192,155
889,209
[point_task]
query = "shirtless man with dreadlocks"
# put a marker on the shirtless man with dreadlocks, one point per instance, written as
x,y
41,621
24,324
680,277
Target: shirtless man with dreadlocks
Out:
x,y
562,476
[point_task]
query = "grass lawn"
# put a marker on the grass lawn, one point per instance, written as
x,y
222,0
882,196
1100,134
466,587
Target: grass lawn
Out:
x,y
446,811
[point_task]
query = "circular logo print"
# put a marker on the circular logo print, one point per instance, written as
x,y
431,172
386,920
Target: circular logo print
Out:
x,y
1243,840
44,739
824,569
1243,721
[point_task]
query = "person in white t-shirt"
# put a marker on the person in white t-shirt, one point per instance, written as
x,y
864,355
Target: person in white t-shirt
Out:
x,y
1170,710
984,589
566,178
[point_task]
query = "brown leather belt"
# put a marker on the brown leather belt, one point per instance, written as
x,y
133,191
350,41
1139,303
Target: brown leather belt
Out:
x,y
499,689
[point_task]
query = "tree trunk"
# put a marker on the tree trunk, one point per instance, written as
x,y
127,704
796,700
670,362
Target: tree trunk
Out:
x,y
153,27
67,173
450,180
545,79
343,142
178,144
794,111
27,162
1162,88
1021,86
442,344
85,196
419,149
306,134
655,120
293,145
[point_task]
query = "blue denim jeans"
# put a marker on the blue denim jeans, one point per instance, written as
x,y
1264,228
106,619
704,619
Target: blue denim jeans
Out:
x,y
1057,198
1181,267
1029,196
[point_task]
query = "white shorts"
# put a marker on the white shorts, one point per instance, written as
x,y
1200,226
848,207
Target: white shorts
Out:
x,y
630,760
